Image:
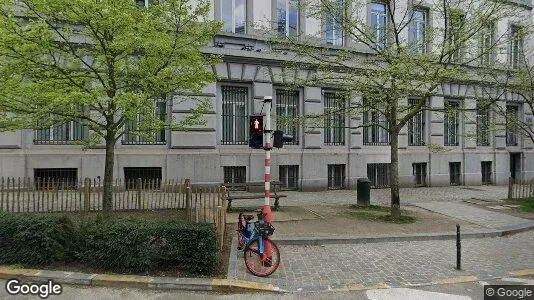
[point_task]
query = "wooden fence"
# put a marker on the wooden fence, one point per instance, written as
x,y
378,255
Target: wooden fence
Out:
x,y
520,189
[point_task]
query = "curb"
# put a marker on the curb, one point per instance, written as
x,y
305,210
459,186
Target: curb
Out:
x,y
347,239
133,281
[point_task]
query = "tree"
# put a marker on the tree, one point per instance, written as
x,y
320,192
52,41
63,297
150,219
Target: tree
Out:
x,y
394,57
101,64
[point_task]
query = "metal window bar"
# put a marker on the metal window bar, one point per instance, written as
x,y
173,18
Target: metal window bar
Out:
x,y
287,105
452,124
334,123
455,173
150,177
483,127
234,115
419,171
512,115
235,174
416,127
130,138
486,172
60,134
375,135
62,178
336,177
379,174
288,176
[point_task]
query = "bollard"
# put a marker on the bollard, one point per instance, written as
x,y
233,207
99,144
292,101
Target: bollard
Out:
x,y
458,248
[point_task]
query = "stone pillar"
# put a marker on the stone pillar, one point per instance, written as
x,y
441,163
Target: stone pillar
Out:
x,y
313,104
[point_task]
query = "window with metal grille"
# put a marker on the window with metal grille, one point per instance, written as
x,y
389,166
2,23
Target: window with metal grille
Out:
x,y
516,55
452,123
334,122
150,177
512,119
483,125
234,115
378,174
62,178
455,173
131,137
416,127
287,110
419,173
486,172
235,174
375,130
289,177
336,177
67,133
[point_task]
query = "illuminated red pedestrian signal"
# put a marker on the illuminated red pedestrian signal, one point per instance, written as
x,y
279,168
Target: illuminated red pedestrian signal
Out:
x,y
255,132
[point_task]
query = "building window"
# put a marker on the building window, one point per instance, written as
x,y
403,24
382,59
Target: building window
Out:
x,y
144,3
378,174
452,123
235,174
375,128
455,173
50,178
233,14
379,24
456,37
234,115
334,122
487,41
67,133
334,24
287,16
133,137
486,172
419,173
416,126
148,177
336,177
483,127
289,177
287,110
512,119
516,46
418,30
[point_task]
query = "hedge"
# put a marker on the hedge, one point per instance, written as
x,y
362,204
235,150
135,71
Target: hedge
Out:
x,y
121,245
135,245
35,240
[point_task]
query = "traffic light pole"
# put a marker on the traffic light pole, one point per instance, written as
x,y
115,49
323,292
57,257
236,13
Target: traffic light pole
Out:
x,y
267,213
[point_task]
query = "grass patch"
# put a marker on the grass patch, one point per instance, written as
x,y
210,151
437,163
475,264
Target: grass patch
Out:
x,y
379,213
526,205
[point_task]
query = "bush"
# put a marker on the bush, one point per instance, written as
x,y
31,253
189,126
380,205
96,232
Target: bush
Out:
x,y
34,240
134,245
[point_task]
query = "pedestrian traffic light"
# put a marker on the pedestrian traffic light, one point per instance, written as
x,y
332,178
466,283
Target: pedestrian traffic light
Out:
x,y
255,139
280,138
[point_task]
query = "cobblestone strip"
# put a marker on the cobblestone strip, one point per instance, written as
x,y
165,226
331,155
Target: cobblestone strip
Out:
x,y
315,268
479,216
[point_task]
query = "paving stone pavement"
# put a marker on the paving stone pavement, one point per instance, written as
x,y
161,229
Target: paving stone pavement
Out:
x,y
315,268
472,214
408,195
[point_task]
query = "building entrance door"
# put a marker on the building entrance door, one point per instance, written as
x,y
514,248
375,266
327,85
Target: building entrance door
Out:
x,y
515,165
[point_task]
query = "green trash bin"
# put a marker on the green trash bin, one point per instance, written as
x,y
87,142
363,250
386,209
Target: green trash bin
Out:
x,y
363,189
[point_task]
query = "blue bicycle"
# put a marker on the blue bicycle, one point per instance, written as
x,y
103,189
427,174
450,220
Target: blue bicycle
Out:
x,y
261,255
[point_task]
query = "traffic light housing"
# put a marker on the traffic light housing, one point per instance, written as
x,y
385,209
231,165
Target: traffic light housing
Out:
x,y
280,138
255,135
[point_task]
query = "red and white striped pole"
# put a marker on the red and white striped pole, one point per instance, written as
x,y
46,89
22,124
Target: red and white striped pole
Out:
x,y
267,213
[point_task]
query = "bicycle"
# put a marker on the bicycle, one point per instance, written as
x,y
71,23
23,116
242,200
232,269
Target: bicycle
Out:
x,y
255,242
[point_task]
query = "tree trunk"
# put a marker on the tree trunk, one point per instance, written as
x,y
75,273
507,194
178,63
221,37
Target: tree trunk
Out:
x,y
107,199
394,173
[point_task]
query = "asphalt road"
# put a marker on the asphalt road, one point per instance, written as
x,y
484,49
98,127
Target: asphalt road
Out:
x,y
464,291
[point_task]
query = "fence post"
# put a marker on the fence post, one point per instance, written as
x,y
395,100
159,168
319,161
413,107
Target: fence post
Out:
x,y
139,193
188,195
87,194
510,185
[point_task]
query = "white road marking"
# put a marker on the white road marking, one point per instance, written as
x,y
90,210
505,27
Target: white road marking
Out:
x,y
410,294
483,283
520,280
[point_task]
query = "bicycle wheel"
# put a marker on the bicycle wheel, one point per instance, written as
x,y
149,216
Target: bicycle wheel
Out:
x,y
261,264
